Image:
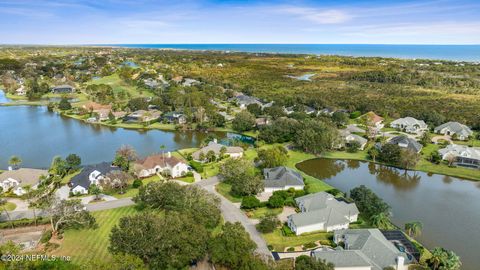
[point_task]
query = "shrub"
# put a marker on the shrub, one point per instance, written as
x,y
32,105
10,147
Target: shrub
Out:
x,y
299,193
334,192
189,174
268,224
290,202
290,249
275,201
282,193
137,183
286,231
355,114
309,245
46,235
197,166
250,202
270,247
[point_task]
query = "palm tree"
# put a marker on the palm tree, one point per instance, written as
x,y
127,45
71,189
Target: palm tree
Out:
x,y
439,256
414,228
381,221
3,203
15,161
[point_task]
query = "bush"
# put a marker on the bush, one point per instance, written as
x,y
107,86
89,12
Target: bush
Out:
x,y
355,114
290,249
46,236
268,224
309,245
299,193
275,201
137,183
270,247
334,192
286,231
250,202
189,174
290,202
197,166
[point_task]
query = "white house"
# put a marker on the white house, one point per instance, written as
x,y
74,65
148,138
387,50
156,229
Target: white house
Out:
x,y
16,180
90,175
166,164
461,131
322,212
464,155
410,125
231,151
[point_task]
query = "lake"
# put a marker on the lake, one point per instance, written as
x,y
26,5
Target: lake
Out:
x,y
448,207
441,52
37,135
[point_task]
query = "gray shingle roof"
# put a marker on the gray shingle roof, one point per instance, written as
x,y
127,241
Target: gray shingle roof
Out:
x,y
82,179
406,142
281,177
342,258
461,151
215,147
409,122
455,127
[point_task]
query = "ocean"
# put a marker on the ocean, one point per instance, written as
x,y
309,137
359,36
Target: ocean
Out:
x,y
469,53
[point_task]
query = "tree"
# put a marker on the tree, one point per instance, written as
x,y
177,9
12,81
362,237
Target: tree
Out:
x,y
275,111
450,158
305,262
73,162
268,224
136,104
435,157
210,156
243,121
368,202
413,228
95,190
250,202
217,119
223,151
390,154
373,153
240,173
276,201
121,162
254,109
116,180
280,131
127,152
3,204
59,167
315,136
69,213
340,118
353,147
273,157
425,139
233,247
444,259
408,159
170,241
380,220
64,104
15,161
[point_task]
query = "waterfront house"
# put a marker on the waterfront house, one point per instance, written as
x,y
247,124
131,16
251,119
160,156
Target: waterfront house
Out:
x,y
322,212
454,129
91,175
243,101
143,116
348,138
175,118
464,155
282,178
63,89
230,151
406,143
16,180
21,91
364,249
165,164
410,125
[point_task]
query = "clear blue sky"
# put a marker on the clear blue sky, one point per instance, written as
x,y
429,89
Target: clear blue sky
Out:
x,y
148,21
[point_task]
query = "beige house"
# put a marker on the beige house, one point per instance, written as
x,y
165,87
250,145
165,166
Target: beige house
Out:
x,y
16,180
231,151
154,164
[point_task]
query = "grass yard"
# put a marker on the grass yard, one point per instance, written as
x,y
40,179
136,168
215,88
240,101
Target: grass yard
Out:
x,y
224,189
132,192
313,184
92,244
280,242
263,211
119,85
9,206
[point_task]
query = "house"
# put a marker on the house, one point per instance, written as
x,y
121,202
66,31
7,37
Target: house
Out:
x,y
349,138
18,179
364,249
410,125
227,116
151,83
21,91
309,110
326,111
63,89
175,118
288,110
93,106
90,175
262,121
231,151
462,132
374,119
464,155
243,101
406,142
322,212
190,82
166,164
282,178
143,116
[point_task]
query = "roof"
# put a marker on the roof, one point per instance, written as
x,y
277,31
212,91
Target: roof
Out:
x,y
322,207
82,179
24,176
281,177
215,147
342,258
246,100
356,138
406,142
152,161
456,128
372,245
409,121
461,151
374,117
63,86
91,105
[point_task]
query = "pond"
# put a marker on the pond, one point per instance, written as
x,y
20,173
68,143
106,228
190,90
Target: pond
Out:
x,y
448,207
37,135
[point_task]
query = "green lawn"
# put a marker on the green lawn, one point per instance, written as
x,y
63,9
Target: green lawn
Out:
x,y
91,244
119,85
280,242
9,206
313,184
263,211
224,190
132,192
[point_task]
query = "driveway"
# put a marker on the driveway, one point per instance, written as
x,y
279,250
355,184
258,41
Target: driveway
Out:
x,y
232,213
63,192
21,204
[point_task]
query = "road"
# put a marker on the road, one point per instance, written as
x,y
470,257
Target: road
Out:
x,y
232,213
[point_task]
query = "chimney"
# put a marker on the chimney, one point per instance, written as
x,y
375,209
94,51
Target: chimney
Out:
x,y
169,154
215,140
400,262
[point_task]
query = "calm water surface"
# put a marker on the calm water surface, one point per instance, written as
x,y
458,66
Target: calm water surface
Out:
x,y
448,207
37,135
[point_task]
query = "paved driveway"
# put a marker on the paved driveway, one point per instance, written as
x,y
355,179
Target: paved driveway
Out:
x,y
232,213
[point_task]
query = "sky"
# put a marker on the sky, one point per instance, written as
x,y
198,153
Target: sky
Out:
x,y
73,22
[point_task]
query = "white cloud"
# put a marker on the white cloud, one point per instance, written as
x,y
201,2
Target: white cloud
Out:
x,y
320,16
